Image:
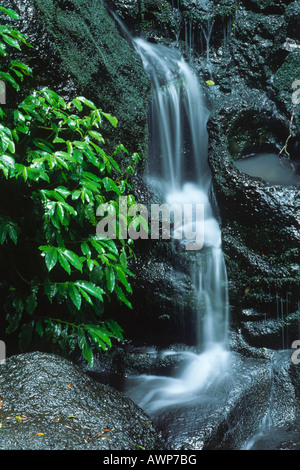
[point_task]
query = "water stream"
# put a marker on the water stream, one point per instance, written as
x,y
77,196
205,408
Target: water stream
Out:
x,y
178,166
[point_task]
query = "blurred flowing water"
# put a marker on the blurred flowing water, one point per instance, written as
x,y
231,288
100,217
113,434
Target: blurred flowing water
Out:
x,y
178,167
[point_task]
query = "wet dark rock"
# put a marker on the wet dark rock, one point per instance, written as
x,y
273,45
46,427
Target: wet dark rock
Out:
x,y
273,333
267,6
284,78
253,403
78,50
233,409
50,404
292,17
128,360
169,302
257,48
260,222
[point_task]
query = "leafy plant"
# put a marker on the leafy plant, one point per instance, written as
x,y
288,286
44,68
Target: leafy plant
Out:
x,y
57,275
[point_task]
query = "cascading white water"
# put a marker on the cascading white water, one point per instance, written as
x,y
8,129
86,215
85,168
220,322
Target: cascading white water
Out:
x,y
178,165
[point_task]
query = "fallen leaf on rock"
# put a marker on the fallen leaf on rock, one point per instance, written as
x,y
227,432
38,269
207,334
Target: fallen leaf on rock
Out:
x,y
1,403
101,433
40,434
70,385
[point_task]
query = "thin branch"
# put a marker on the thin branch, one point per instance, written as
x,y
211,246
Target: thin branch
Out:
x,y
284,148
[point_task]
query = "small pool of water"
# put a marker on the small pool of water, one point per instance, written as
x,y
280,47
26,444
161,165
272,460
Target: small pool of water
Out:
x,y
271,168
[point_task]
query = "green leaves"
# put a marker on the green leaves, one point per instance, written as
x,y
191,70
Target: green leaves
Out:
x,y
8,11
55,173
50,257
113,120
8,229
65,257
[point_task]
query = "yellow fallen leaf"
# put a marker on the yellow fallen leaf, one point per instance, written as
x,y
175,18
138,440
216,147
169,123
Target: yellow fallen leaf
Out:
x,y
70,384
1,403
210,82
40,434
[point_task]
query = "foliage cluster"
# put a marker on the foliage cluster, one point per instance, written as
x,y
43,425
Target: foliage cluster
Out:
x,y
57,275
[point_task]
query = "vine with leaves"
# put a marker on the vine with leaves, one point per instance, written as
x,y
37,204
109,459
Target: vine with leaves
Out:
x,y
57,275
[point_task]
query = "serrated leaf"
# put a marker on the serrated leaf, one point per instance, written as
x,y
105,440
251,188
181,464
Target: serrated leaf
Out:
x,y
39,328
110,278
8,11
81,338
91,288
115,328
64,263
75,295
11,41
87,102
109,245
86,249
51,258
88,354
112,119
96,135
85,295
72,258
122,277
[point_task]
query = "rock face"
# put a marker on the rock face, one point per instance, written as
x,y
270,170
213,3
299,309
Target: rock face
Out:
x,y
79,51
48,403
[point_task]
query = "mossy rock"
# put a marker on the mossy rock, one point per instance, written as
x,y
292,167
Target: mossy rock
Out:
x,y
267,6
292,17
287,74
79,49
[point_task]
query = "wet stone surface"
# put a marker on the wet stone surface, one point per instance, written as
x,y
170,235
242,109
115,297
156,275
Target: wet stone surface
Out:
x,y
47,403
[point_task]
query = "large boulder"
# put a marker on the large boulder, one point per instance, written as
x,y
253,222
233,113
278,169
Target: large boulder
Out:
x,y
48,403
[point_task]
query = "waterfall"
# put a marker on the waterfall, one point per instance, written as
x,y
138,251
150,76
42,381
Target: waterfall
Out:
x,y
178,166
